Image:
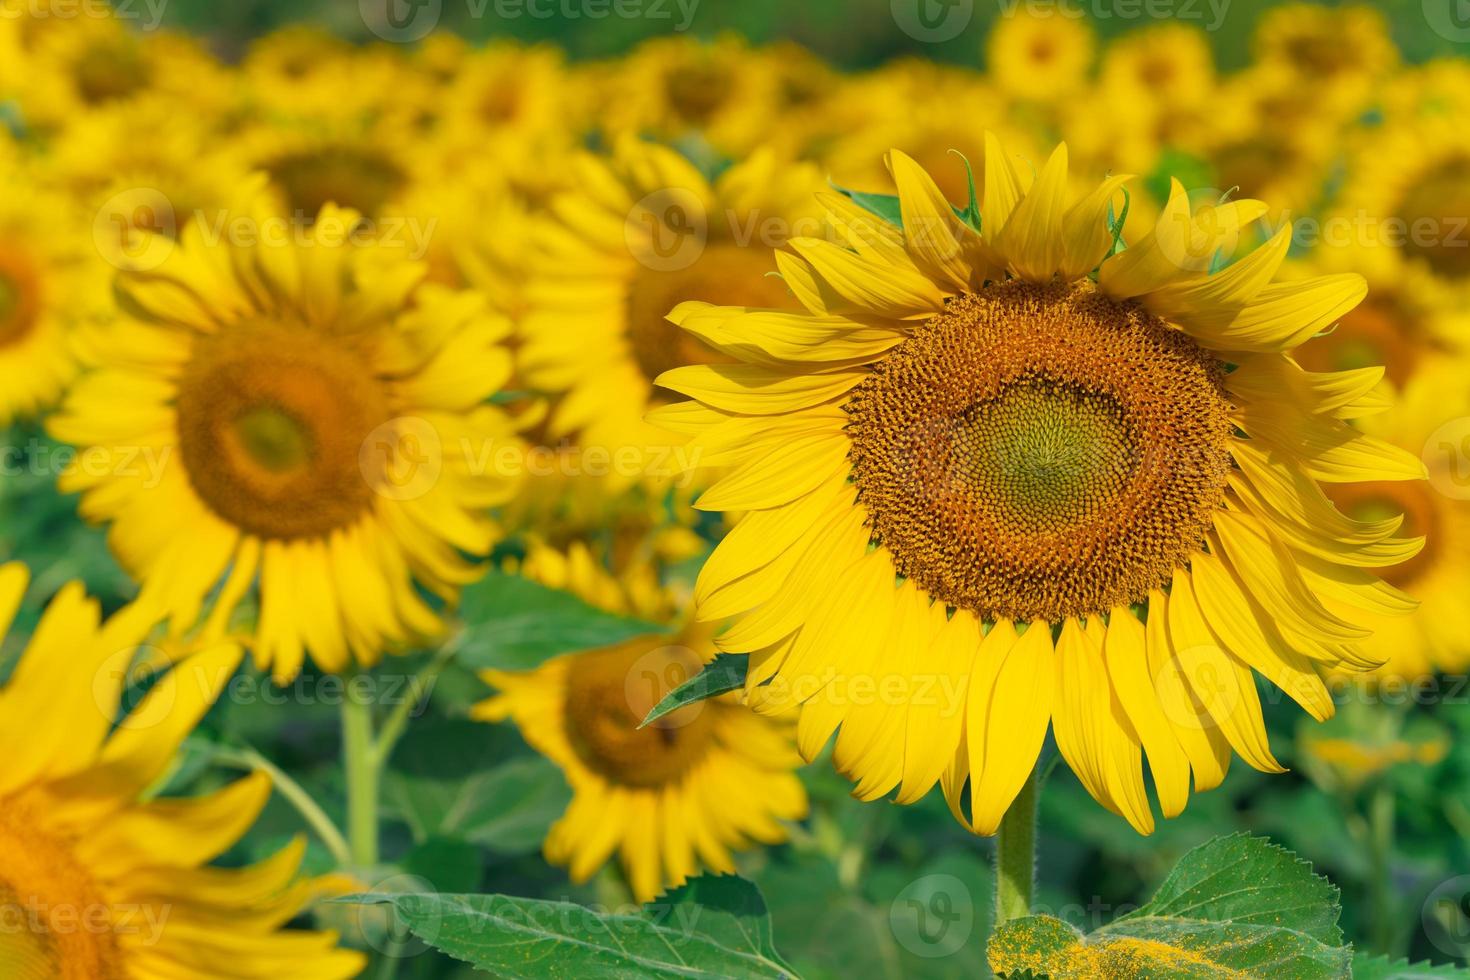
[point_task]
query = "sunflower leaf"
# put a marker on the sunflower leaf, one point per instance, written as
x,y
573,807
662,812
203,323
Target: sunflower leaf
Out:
x,y
715,926
1235,906
1366,967
516,624
885,206
725,673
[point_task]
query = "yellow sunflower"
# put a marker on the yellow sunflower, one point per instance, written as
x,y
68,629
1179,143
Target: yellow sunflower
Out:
x,y
1040,57
100,881
1015,497
1171,65
1430,418
703,781
289,412
1435,88
646,230
1336,54
47,288
1405,204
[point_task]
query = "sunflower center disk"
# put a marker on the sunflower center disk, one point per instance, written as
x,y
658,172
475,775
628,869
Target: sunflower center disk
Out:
x,y
610,692
345,176
272,422
56,927
1436,211
19,297
111,70
725,274
1039,452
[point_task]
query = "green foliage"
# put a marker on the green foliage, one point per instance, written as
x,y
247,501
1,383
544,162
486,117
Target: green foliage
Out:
x,y
712,927
1235,906
1382,968
512,623
723,674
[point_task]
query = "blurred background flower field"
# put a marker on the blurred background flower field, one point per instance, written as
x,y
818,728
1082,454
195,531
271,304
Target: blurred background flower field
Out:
x,y
478,149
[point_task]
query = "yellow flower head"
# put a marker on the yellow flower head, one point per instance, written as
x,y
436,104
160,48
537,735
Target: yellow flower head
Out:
x,y
686,791
286,410
1041,55
104,882
974,472
1336,53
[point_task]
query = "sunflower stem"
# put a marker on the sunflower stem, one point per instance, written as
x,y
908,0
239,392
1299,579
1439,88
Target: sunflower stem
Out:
x,y
1015,856
1381,816
252,761
360,759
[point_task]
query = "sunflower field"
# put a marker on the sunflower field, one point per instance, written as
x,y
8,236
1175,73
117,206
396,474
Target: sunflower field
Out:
x,y
685,489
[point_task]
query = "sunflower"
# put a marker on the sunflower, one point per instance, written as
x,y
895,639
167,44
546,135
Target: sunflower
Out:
x,y
1428,418
1026,497
1406,204
646,230
301,71
46,290
104,881
304,423
1435,88
1336,54
703,781
1040,57
1170,65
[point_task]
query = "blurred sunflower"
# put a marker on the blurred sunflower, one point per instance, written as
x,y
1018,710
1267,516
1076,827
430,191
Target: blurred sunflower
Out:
x,y
645,230
1415,646
302,71
315,431
1040,57
45,292
1335,54
82,841
686,791
1089,505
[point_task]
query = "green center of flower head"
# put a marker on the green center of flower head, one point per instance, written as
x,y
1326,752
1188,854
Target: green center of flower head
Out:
x,y
1041,452
1044,455
610,692
1436,214
273,438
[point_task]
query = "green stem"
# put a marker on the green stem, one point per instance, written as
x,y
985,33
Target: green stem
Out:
x,y
1015,856
359,756
397,720
252,761
1381,816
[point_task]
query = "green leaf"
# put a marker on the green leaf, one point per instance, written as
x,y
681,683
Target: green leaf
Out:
x,y
1115,225
723,674
507,809
885,206
516,624
1366,967
711,927
971,214
1235,906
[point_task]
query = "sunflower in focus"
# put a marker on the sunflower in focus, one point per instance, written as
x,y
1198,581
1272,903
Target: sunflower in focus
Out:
x,y
1089,504
646,230
306,427
45,293
81,838
1040,57
685,792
